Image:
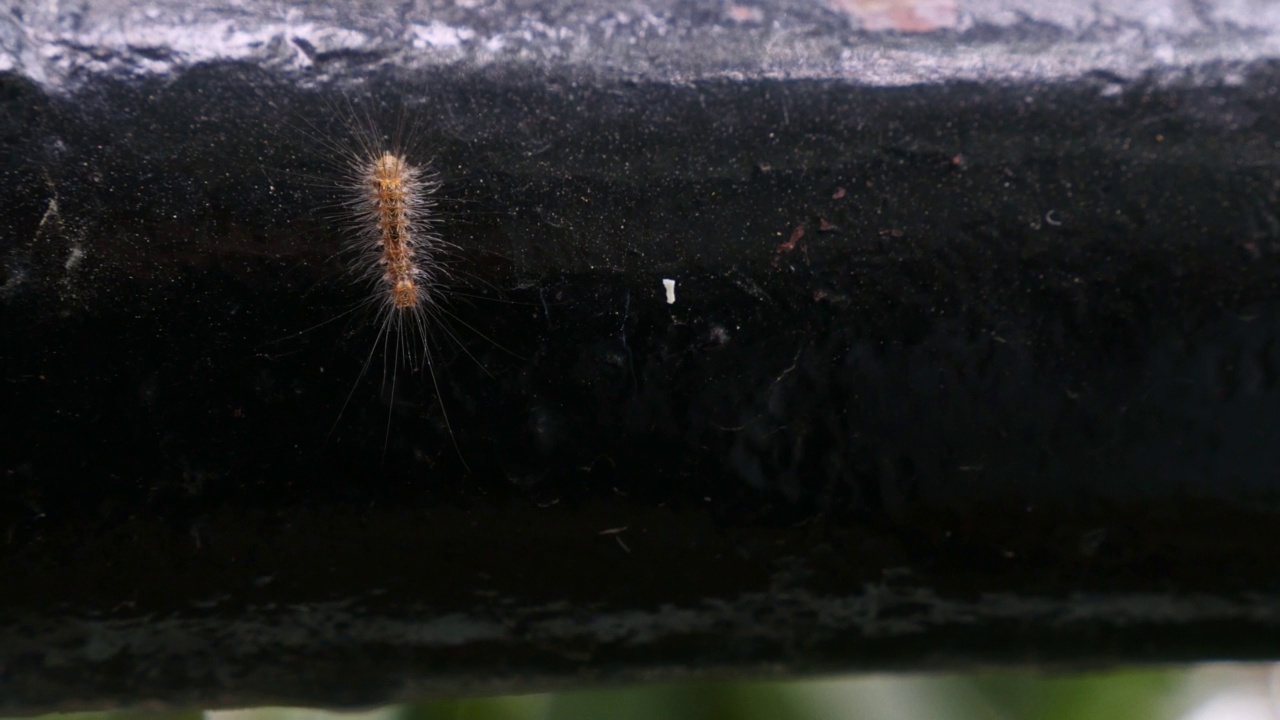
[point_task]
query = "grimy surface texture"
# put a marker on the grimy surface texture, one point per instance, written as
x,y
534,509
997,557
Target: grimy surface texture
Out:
x,y
972,356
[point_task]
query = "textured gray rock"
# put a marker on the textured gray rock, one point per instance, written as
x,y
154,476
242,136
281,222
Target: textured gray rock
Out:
x,y
872,42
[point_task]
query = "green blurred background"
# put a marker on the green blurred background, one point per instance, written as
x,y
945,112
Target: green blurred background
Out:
x,y
1205,692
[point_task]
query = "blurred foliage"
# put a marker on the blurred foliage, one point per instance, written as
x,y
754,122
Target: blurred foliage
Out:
x,y
1127,695
1120,695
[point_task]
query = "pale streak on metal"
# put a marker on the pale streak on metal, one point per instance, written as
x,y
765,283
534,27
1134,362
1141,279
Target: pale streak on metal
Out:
x,y
670,286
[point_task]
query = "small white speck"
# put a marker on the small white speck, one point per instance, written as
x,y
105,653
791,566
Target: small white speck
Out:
x,y
670,286
74,258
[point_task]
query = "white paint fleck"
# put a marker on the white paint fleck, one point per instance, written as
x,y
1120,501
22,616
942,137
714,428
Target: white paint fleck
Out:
x,y
670,286
74,258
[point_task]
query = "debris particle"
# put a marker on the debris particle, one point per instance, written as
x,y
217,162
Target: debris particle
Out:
x,y
74,258
796,236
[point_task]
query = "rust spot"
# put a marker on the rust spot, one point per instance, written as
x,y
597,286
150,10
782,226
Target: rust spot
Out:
x,y
745,14
900,15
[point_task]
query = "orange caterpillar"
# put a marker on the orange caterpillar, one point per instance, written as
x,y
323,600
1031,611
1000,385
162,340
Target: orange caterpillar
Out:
x,y
389,210
390,207
394,229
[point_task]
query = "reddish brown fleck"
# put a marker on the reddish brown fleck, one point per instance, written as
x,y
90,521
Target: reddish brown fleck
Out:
x,y
900,15
796,235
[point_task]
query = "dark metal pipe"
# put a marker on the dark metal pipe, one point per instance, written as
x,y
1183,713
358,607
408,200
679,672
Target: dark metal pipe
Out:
x,y
972,352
